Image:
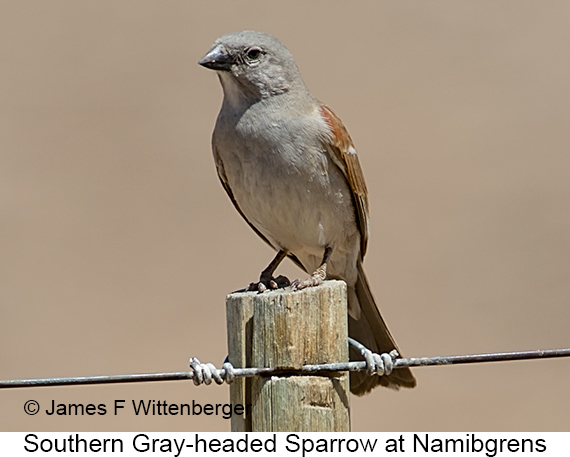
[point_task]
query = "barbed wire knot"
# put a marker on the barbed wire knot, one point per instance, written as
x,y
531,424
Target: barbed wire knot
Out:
x,y
229,373
204,373
376,364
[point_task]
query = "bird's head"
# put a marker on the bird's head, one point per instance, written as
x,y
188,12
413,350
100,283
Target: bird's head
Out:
x,y
252,66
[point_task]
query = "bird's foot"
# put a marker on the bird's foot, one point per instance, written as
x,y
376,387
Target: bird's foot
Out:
x,y
268,282
316,279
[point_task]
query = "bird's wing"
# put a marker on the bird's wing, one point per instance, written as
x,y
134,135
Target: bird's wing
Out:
x,y
343,154
227,188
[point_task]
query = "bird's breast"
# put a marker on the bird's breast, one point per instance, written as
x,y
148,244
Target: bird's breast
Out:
x,y
286,185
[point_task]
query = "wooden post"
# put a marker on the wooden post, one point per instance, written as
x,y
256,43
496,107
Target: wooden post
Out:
x,y
284,329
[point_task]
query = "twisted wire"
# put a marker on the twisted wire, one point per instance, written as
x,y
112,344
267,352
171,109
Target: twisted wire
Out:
x,y
374,364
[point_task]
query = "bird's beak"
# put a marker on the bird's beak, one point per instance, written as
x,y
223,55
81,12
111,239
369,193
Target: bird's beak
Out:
x,y
217,59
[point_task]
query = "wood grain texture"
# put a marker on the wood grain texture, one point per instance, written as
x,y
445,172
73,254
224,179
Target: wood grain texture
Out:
x,y
285,330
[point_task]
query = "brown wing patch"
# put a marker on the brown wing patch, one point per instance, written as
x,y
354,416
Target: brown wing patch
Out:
x,y
344,155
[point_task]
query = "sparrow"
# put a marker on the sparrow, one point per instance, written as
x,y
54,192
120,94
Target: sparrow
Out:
x,y
291,170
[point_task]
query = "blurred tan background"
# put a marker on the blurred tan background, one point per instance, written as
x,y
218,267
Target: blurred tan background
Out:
x,y
118,244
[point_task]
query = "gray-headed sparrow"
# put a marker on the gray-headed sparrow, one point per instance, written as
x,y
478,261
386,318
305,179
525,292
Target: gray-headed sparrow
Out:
x,y
290,168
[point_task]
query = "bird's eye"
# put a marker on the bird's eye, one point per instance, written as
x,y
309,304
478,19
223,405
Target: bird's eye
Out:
x,y
254,53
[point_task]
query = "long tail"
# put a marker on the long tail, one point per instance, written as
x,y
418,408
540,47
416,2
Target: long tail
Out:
x,y
371,330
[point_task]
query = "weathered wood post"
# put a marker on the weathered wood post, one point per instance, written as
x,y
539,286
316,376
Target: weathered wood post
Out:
x,y
284,329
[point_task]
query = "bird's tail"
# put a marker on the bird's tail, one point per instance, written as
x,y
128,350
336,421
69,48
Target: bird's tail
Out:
x,y
371,330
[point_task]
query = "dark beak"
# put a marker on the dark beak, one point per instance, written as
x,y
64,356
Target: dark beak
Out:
x,y
217,59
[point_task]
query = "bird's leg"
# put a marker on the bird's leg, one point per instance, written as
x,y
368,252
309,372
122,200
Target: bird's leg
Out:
x,y
266,279
318,276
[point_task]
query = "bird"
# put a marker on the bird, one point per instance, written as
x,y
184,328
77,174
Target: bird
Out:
x,y
290,168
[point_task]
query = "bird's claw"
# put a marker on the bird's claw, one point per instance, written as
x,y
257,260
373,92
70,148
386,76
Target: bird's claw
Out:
x,y
312,281
316,279
270,283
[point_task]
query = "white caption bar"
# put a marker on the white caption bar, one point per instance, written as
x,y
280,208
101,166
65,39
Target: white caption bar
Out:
x,y
285,444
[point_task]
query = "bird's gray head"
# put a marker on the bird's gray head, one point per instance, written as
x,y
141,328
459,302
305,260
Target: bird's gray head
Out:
x,y
252,66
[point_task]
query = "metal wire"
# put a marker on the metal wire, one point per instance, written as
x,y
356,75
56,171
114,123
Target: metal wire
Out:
x,y
229,372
